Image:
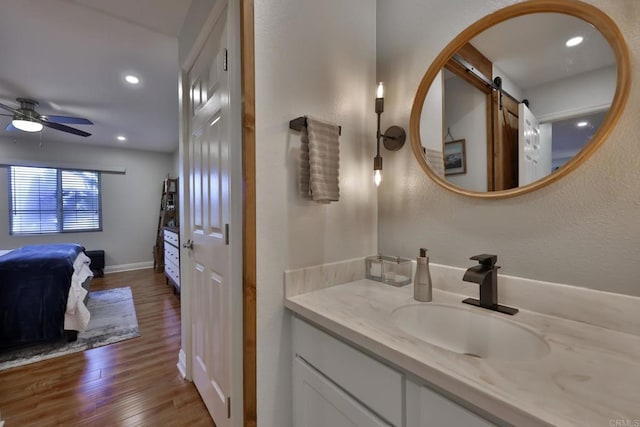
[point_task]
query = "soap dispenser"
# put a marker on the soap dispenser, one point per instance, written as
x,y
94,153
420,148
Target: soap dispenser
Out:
x,y
422,280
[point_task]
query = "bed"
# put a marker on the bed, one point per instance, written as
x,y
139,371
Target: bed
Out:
x,y
42,293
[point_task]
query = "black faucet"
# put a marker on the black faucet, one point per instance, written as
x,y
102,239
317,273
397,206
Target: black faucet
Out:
x,y
486,275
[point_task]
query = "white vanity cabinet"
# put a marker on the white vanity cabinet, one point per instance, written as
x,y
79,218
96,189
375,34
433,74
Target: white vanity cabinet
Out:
x,y
318,402
336,385
426,407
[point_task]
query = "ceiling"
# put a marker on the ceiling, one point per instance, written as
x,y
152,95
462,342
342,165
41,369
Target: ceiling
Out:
x,y
569,138
72,55
531,50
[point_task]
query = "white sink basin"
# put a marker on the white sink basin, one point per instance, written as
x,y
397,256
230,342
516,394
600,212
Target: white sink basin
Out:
x,y
470,332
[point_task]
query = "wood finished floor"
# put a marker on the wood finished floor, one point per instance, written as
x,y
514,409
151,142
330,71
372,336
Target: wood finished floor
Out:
x,y
130,383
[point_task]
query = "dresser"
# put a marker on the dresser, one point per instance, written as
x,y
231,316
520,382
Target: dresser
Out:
x,y
171,240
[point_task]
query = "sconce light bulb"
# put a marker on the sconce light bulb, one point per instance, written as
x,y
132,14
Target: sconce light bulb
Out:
x,y
380,90
377,178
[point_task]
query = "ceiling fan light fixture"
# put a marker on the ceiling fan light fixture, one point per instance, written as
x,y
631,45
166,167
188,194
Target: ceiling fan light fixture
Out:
x,y
27,125
27,119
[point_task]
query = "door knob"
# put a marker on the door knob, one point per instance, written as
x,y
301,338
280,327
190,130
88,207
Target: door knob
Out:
x,y
188,244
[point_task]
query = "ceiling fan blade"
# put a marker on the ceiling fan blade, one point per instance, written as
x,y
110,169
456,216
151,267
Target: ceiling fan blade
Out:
x,y
66,119
64,128
10,127
6,107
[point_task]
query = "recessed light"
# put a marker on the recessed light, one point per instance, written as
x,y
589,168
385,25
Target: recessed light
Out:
x,y
582,124
121,138
574,41
131,79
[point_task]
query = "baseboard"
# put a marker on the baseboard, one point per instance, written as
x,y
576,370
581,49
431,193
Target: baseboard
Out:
x,y
128,267
182,364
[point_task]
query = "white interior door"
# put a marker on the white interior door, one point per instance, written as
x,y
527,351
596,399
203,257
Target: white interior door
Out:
x,y
532,161
209,259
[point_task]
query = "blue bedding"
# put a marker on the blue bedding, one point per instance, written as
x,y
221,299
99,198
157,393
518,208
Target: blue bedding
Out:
x,y
34,287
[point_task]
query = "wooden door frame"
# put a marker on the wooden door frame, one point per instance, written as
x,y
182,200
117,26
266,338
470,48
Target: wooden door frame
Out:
x,y
242,90
249,275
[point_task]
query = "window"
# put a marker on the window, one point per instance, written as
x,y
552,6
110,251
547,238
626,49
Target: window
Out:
x,y
48,200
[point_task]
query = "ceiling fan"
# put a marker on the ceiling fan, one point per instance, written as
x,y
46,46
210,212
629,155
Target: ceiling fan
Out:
x,y
27,119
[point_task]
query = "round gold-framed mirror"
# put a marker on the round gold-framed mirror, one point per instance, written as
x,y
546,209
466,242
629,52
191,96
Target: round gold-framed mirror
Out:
x,y
448,159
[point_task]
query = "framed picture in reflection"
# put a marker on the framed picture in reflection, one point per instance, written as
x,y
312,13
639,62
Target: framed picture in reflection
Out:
x,y
455,157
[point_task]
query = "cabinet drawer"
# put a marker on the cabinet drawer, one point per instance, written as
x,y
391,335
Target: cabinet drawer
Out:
x,y
170,261
171,237
318,402
374,384
427,407
172,271
172,253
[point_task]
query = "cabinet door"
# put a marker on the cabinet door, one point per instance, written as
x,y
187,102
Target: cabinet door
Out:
x,y
318,402
426,408
373,384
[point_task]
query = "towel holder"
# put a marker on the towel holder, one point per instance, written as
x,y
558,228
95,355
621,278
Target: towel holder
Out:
x,y
299,122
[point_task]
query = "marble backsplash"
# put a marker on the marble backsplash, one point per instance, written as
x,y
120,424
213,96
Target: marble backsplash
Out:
x,y
322,276
608,310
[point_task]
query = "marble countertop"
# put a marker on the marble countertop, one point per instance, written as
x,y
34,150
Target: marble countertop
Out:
x,y
590,377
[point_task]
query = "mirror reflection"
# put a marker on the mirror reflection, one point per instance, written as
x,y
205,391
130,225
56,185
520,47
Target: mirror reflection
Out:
x,y
518,101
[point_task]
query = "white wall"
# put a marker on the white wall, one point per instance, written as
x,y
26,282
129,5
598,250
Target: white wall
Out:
x,y
311,58
507,84
587,92
196,16
582,230
130,202
175,164
466,118
431,117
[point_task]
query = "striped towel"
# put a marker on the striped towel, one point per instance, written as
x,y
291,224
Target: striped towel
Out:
x,y
436,161
319,162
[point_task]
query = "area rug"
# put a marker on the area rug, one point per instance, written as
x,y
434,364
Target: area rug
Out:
x,y
113,319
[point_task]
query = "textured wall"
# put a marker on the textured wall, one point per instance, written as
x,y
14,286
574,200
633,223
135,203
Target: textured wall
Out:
x,y
130,202
582,230
312,58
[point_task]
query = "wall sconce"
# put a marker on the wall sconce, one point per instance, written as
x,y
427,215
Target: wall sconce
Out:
x,y
393,139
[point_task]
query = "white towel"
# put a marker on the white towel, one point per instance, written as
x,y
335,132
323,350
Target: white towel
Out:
x,y
319,162
77,315
436,161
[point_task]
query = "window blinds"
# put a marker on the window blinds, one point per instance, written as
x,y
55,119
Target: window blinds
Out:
x,y
49,200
